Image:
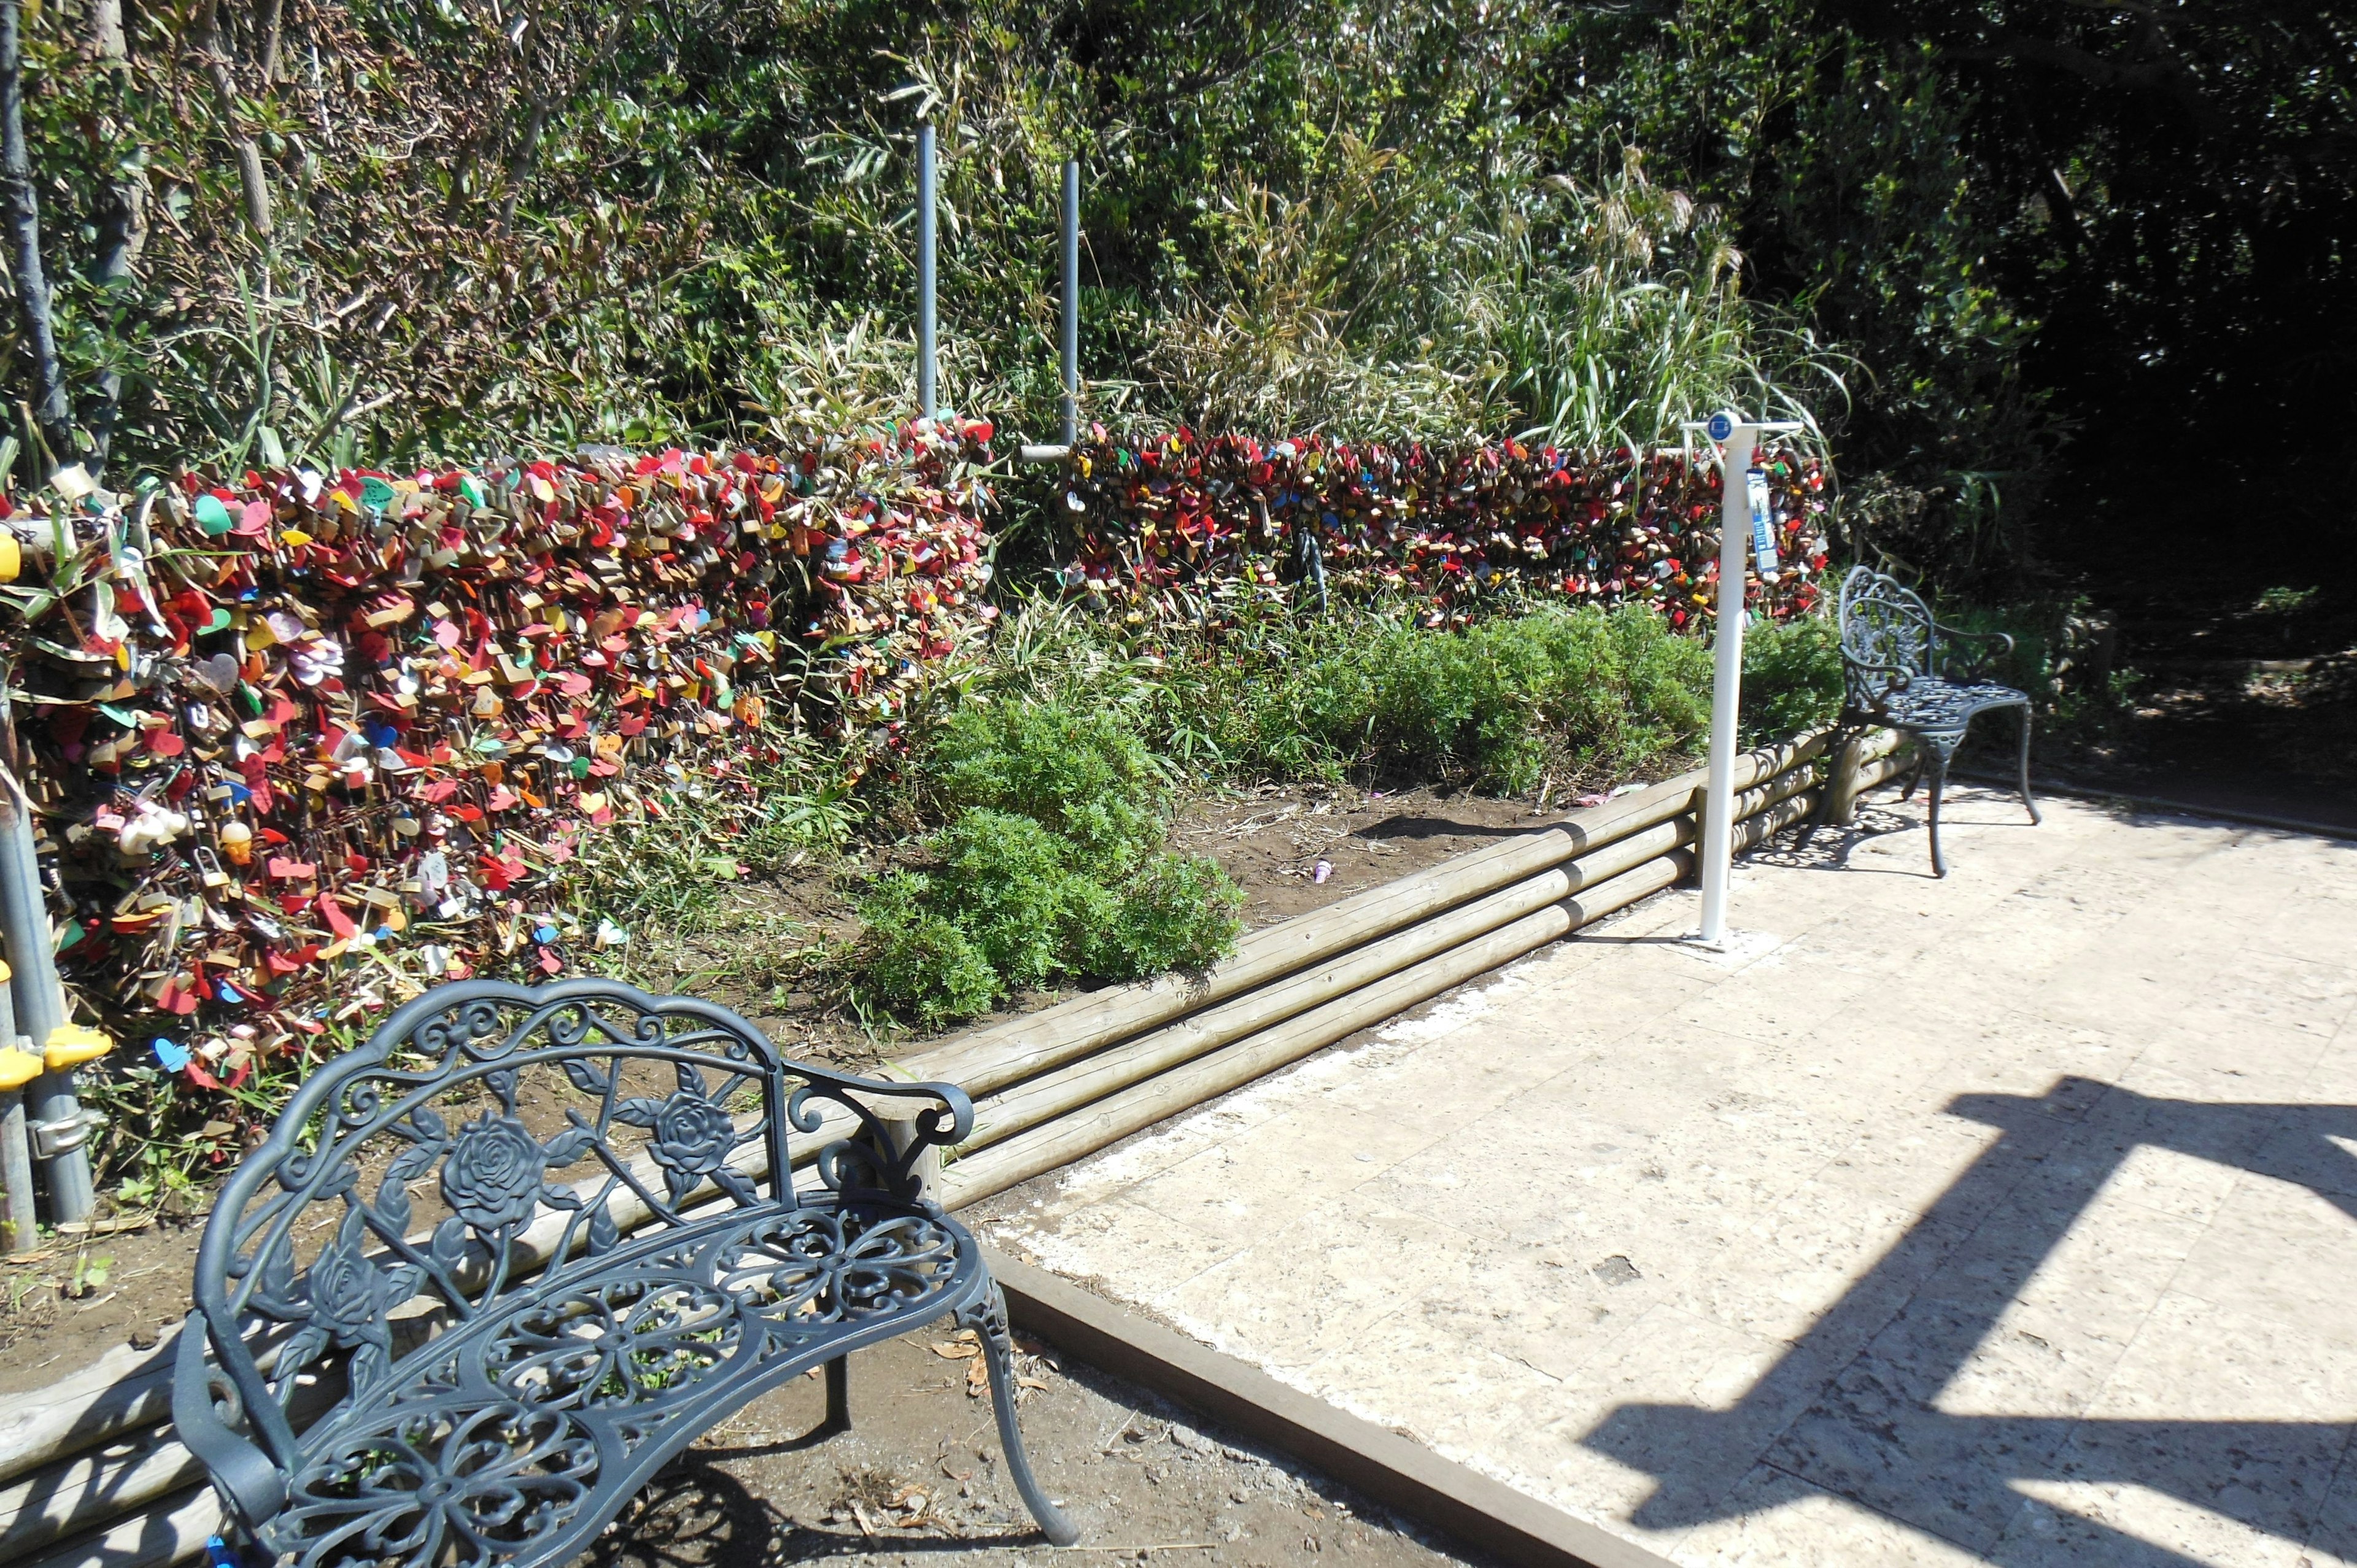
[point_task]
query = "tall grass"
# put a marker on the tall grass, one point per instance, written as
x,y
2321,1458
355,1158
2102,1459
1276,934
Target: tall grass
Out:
x,y
1389,303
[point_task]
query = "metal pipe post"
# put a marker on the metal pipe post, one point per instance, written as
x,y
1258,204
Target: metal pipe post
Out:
x,y
1072,301
1718,826
926,248
40,1001
16,1148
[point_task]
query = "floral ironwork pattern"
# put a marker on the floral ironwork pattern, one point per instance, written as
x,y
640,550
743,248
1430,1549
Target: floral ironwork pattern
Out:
x,y
693,1138
616,1343
492,1175
465,1488
815,1266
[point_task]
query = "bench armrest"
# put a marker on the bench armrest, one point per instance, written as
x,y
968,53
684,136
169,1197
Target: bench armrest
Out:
x,y
255,1488
1901,676
1975,661
896,1142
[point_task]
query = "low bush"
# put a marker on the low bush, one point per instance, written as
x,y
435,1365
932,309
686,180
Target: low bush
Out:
x,y
1083,774
1049,873
1501,705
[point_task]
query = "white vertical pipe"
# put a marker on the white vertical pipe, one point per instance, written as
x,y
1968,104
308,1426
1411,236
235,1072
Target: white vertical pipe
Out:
x,y
1719,792
926,248
1072,301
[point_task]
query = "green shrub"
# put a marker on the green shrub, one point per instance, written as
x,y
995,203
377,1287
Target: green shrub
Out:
x,y
1046,873
918,962
1505,701
1177,911
1006,881
1084,774
1792,678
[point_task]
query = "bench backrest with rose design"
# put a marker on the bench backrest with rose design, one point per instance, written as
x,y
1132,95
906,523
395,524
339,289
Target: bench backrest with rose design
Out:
x,y
494,1267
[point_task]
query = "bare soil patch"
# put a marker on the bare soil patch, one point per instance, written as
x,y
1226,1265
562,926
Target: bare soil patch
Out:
x,y
920,1479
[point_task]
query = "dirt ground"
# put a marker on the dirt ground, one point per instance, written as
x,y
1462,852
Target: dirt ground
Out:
x,y
89,1292
920,1478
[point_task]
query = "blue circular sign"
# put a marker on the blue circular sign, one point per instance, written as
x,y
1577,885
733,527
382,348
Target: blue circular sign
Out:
x,y
1720,428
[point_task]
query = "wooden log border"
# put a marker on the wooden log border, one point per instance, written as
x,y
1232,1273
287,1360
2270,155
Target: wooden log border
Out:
x,y
90,1476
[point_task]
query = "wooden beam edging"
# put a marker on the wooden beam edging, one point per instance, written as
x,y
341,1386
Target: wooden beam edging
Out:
x,y
1394,1471
997,1055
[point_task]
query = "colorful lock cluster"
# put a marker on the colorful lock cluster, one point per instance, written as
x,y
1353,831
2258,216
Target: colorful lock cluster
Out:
x,y
1453,527
303,742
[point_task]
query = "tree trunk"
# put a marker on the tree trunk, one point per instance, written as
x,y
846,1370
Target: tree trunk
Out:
x,y
250,174
51,411
270,24
120,212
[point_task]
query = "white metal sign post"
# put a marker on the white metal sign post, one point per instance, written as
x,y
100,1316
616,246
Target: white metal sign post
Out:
x,y
1738,438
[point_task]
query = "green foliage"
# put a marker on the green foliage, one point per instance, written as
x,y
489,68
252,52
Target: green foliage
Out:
x,y
1009,883
2074,691
1501,704
1047,874
1084,774
1792,678
1175,911
919,962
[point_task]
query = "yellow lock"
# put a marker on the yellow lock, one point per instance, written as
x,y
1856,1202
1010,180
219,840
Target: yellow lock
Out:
x,y
12,555
17,1069
70,1045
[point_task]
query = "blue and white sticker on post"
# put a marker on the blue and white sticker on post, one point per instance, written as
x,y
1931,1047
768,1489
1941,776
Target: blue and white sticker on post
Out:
x,y
1720,428
1763,522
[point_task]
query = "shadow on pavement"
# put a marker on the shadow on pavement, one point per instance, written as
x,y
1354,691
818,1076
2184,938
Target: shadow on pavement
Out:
x,y
1851,1407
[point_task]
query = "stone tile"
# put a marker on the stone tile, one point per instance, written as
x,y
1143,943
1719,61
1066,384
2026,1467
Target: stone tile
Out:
x,y
1998,1218
1868,1438
1662,1421
1772,1519
1825,1265
2063,1524
1135,1243
1310,1288
2283,1253
2332,1543
2198,1361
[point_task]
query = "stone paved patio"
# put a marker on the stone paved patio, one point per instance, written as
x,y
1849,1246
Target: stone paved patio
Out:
x,y
2011,1218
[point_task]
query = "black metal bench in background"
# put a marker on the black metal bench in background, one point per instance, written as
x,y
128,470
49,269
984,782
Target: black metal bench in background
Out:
x,y
1894,673
440,1390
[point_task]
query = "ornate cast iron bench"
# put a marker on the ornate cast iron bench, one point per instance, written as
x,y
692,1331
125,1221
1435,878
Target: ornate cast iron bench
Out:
x,y
1894,674
421,1339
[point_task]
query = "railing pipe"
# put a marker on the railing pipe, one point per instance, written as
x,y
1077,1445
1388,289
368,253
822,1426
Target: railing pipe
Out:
x,y
40,1000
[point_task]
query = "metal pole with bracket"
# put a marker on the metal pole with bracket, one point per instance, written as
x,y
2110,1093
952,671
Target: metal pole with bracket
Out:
x,y
927,248
1738,438
15,1143
58,1125
1072,301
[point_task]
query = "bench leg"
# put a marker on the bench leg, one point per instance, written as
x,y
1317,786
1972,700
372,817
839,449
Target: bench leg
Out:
x,y
989,1319
838,1394
1915,775
2034,818
1939,782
